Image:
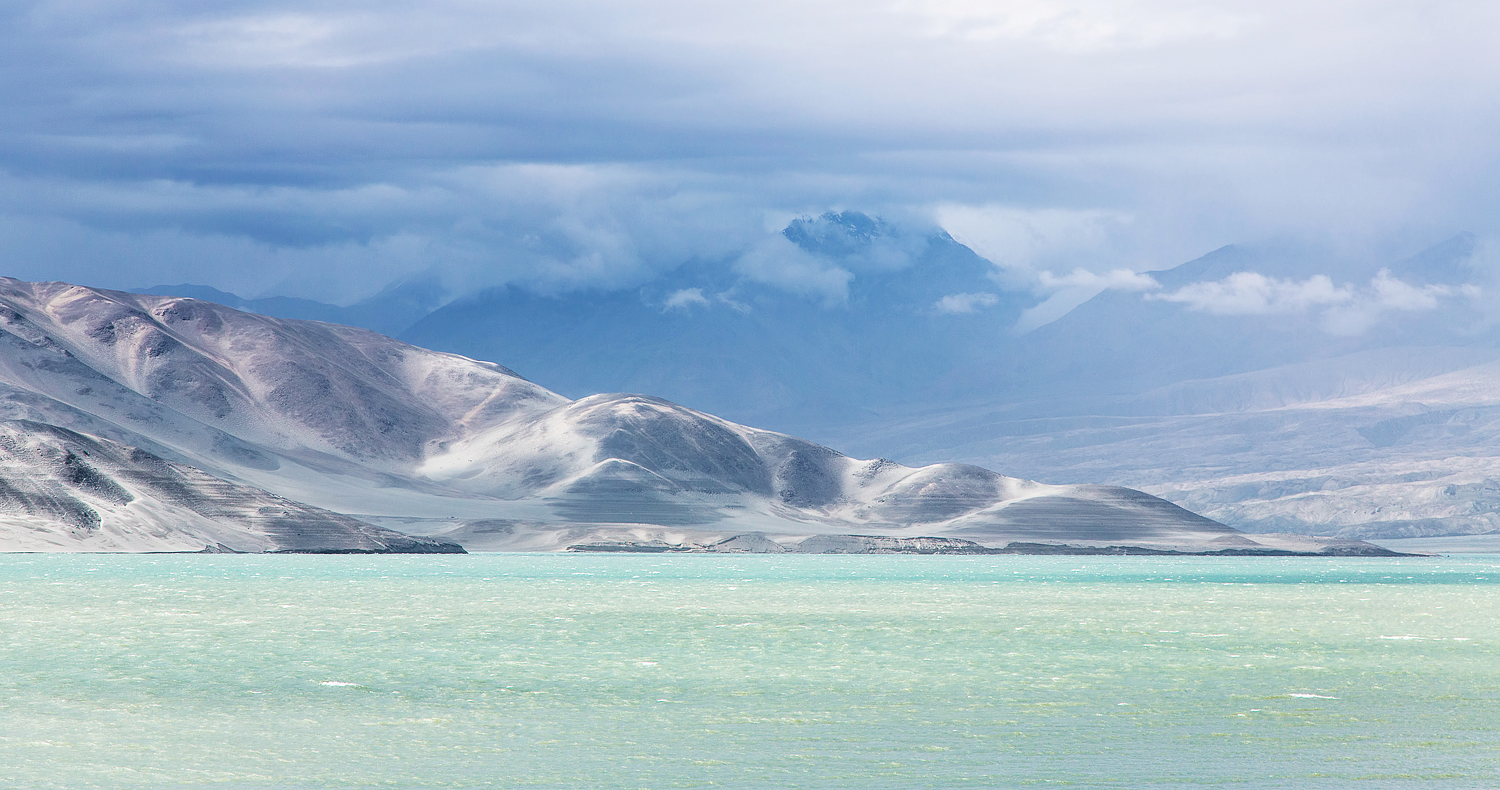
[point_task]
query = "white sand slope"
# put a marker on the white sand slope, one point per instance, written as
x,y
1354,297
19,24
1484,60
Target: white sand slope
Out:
x,y
63,491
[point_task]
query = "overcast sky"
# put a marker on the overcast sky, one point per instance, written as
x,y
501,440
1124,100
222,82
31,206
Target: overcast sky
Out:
x,y
325,148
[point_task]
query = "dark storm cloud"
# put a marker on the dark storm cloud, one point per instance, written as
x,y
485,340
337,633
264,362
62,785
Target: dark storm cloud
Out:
x,y
317,148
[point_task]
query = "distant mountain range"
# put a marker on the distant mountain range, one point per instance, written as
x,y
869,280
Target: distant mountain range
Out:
x,y
1275,387
153,422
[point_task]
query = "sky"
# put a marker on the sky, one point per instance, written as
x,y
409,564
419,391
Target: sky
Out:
x,y
325,149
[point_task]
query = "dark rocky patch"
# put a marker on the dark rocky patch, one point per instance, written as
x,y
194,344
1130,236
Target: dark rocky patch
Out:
x,y
946,492
805,478
696,453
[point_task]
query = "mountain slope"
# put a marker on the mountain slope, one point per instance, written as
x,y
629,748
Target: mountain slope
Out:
x,y
63,491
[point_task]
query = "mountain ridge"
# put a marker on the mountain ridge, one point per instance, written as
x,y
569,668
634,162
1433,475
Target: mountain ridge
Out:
x,y
348,420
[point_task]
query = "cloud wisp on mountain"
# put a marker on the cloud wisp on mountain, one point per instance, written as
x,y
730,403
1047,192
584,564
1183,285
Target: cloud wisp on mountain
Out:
x,y
1344,308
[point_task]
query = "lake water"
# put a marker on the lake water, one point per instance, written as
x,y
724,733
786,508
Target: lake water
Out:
x,y
651,671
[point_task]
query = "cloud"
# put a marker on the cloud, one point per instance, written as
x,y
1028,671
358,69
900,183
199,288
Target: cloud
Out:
x,y
1021,240
1385,294
685,298
778,262
966,303
1251,293
1342,309
1113,280
1071,290
859,242
1025,243
1393,294
1079,27
544,227
314,147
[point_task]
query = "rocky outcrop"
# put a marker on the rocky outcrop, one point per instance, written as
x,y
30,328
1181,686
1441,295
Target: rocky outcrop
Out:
x,y
879,544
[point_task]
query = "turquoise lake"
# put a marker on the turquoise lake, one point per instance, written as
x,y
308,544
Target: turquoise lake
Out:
x,y
651,671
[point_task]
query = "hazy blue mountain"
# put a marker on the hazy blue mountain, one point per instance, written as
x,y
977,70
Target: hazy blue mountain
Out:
x,y
1268,422
390,312
708,337
1118,346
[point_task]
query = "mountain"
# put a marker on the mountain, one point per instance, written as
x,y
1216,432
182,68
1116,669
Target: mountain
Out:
x,y
1117,350
357,423
1267,421
711,335
1276,386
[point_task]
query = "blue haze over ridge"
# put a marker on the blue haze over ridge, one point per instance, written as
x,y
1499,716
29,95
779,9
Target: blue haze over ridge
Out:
x,y
748,349
390,312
